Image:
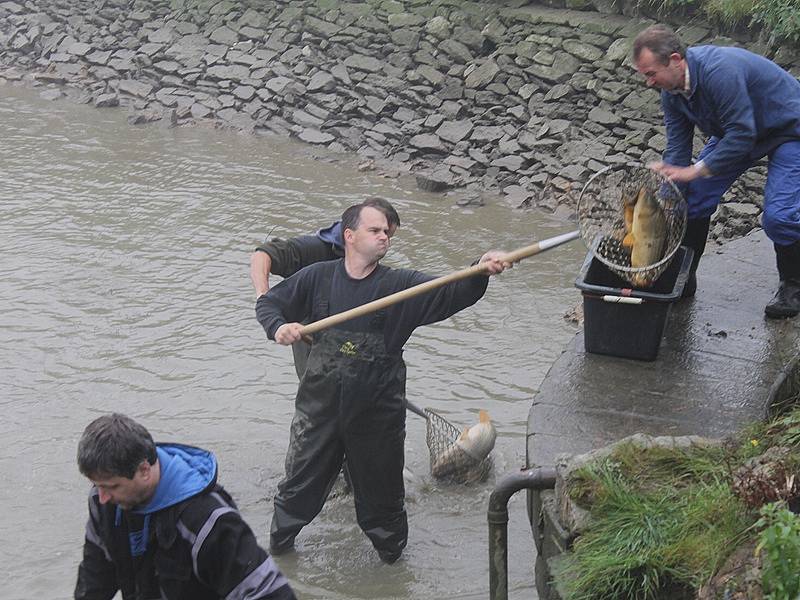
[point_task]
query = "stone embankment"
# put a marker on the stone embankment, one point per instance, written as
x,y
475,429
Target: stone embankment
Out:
x,y
524,100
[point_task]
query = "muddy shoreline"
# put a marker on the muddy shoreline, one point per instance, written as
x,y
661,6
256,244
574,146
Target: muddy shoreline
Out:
x,y
519,100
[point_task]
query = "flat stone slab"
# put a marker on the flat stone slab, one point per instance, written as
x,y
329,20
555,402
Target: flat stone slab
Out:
x,y
716,363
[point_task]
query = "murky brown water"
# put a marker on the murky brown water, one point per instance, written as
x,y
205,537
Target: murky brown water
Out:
x,y
125,287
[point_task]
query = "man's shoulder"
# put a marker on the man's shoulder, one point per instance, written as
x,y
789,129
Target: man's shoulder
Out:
x,y
196,511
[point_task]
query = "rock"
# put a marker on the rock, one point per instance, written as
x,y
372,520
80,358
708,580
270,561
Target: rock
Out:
x,y
199,111
224,35
604,117
164,35
169,118
427,142
512,163
396,21
106,100
79,49
583,51
431,75
406,38
456,51
313,136
455,131
278,85
321,80
482,75
361,62
244,92
438,27
340,72
135,88
434,182
487,133
230,72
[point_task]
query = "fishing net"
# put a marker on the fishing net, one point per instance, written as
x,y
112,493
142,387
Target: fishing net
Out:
x,y
602,223
448,461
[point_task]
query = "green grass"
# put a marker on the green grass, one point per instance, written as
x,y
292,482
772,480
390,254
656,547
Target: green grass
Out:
x,y
779,18
662,523
664,520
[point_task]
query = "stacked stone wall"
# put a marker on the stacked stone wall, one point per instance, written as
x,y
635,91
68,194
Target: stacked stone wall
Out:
x,y
525,100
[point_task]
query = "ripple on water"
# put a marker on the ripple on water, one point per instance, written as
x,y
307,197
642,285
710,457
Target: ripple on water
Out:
x,y
124,286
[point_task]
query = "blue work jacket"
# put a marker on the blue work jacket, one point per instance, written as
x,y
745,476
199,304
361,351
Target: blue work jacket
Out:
x,y
747,101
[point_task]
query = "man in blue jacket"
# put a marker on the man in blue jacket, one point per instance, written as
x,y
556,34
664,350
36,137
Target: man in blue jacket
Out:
x,y
750,108
161,527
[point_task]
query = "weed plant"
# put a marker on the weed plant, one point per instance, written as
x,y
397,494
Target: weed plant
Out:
x,y
663,521
780,19
779,543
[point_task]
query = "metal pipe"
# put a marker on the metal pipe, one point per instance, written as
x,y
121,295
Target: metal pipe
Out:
x,y
539,478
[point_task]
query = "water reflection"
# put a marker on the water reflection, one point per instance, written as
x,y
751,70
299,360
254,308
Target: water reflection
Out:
x,y
125,287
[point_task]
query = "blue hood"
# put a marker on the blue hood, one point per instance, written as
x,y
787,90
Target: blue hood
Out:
x,y
185,472
332,235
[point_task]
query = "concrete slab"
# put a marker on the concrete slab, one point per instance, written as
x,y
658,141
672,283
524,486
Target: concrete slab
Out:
x,y
717,360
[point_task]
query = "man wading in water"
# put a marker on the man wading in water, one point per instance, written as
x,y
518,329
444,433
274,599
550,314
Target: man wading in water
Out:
x,y
351,398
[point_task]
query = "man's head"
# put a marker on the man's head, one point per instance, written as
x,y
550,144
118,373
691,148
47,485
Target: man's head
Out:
x,y
119,456
659,55
387,209
366,230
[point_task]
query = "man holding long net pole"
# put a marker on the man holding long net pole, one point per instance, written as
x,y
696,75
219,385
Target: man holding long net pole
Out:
x,y
351,398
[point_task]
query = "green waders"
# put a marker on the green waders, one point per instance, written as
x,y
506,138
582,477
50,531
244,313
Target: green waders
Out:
x,y
350,403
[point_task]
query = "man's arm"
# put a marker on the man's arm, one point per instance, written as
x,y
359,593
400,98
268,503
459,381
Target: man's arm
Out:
x,y
286,257
230,561
287,302
260,266
97,576
441,303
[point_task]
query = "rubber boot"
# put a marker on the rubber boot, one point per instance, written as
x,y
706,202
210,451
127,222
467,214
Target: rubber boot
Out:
x,y
786,302
695,238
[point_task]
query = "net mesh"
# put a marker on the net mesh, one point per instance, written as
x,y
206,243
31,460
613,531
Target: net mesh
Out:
x,y
448,461
602,223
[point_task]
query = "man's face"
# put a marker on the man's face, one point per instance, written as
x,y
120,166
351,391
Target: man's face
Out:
x,y
669,77
372,236
126,493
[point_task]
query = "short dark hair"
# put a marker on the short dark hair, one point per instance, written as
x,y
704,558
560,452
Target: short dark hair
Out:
x,y
114,446
385,207
351,217
661,41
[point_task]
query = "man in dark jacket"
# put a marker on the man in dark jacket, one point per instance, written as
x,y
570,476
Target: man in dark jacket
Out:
x,y
287,257
750,108
351,400
160,527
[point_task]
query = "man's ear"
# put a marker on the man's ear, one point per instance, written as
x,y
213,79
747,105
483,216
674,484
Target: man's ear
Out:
x,y
347,235
675,58
144,469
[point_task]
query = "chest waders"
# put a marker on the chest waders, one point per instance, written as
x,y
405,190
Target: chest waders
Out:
x,y
350,403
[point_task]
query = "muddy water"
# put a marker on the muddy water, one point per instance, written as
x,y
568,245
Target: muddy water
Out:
x,y
125,288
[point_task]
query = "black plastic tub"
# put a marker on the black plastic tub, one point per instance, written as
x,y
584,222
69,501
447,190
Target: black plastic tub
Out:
x,y
619,320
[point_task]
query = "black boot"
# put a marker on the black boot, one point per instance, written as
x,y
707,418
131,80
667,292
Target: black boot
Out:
x,y
786,302
695,238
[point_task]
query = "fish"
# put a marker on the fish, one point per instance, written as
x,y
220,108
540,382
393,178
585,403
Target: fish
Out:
x,y
471,448
629,197
648,230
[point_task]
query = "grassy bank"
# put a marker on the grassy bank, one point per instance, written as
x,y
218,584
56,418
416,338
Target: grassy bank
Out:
x,y
664,521
779,18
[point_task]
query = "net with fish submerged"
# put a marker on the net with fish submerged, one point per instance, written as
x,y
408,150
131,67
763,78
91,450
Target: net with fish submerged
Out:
x,y
448,461
605,227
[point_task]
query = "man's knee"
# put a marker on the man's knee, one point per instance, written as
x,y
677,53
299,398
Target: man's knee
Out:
x,y
781,220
